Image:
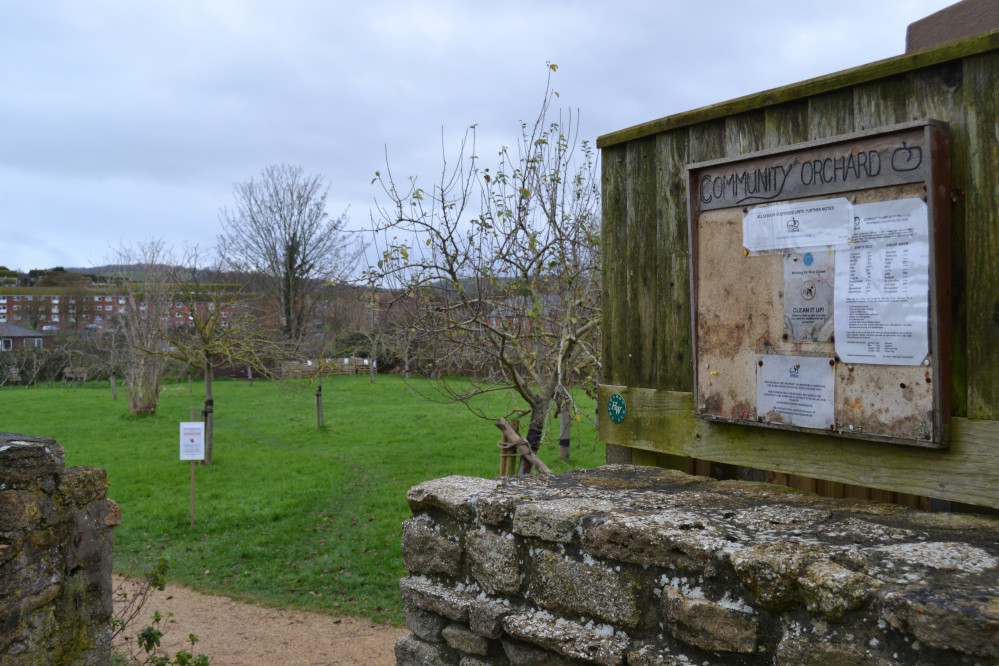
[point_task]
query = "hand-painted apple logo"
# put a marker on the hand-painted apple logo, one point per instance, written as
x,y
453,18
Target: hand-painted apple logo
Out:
x,y
793,224
907,158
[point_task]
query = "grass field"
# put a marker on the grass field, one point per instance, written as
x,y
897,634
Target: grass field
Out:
x,y
288,515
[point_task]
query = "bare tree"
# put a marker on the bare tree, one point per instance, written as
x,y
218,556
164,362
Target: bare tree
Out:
x,y
216,327
136,305
508,261
279,230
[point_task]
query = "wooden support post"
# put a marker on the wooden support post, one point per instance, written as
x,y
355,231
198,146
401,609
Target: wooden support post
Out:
x,y
564,431
508,452
192,494
522,446
192,473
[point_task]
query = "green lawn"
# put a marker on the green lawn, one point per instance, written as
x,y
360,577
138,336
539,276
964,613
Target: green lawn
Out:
x,y
288,515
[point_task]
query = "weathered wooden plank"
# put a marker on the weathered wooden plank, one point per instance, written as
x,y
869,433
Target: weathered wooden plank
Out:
x,y
642,256
830,114
673,356
614,241
981,105
663,421
745,133
817,86
934,95
785,124
707,141
881,103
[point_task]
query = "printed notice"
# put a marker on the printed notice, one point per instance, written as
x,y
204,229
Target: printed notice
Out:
x,y
798,225
192,440
808,294
883,285
796,390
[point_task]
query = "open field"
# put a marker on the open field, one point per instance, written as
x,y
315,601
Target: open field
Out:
x,y
288,515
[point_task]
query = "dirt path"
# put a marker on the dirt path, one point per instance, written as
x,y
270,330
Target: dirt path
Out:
x,y
237,634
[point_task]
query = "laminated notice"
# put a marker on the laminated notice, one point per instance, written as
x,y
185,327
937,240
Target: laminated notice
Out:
x,y
796,390
801,224
883,285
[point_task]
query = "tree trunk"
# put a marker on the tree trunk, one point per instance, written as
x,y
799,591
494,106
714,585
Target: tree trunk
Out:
x,y
249,374
565,430
319,402
209,414
534,430
114,387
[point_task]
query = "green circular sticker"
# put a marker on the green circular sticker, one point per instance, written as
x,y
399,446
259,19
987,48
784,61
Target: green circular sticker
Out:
x,y
616,408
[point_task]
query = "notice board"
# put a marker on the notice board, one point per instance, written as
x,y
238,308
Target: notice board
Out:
x,y
820,277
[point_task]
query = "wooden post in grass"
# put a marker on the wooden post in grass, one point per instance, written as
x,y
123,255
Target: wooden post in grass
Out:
x,y
319,400
192,463
508,452
192,447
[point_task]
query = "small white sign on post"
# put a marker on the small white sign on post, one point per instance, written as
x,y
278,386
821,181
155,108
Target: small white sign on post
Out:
x,y
192,440
192,447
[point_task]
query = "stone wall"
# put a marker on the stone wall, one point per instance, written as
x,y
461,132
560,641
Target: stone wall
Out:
x,y
651,567
55,557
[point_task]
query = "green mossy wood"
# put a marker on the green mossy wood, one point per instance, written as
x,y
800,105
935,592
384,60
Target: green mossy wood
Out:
x,y
647,324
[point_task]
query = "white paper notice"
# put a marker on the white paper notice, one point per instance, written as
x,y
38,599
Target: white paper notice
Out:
x,y
809,280
192,440
883,285
796,390
798,225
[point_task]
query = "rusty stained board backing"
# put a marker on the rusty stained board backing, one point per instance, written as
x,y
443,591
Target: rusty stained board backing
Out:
x,y
738,297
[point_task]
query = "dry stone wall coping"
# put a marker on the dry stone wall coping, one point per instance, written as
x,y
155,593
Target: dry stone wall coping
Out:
x,y
638,565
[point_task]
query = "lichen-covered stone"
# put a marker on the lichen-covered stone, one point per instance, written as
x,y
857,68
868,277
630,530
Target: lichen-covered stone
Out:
x,y
455,495
55,557
82,485
834,590
491,660
555,520
947,555
775,522
649,654
695,572
21,508
707,624
771,571
465,640
26,460
424,624
562,584
797,650
485,617
524,654
672,538
426,550
594,645
435,598
411,651
493,562
962,619
511,491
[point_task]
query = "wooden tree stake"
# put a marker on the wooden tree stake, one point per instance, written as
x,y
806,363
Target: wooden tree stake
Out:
x,y
511,435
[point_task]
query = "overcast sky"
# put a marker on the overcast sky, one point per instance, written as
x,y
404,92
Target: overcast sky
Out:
x,y
126,120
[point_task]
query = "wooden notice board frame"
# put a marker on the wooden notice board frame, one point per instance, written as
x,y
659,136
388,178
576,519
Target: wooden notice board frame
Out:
x,y
739,320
